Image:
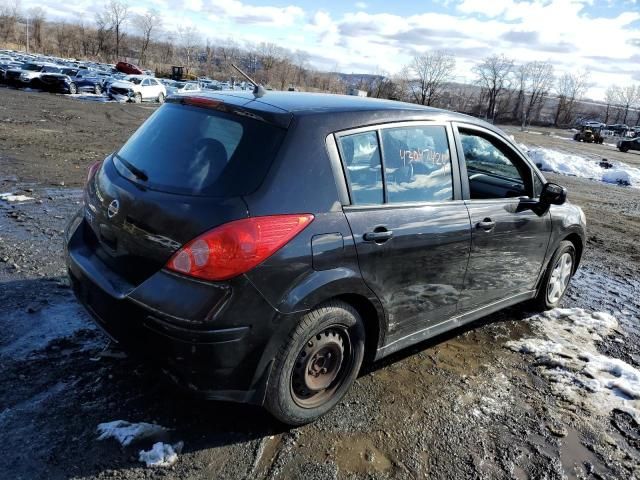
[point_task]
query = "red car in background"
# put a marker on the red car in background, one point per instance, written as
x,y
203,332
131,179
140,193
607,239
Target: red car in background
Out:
x,y
129,68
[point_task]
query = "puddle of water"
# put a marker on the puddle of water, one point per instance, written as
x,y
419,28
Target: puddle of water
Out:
x,y
360,455
574,456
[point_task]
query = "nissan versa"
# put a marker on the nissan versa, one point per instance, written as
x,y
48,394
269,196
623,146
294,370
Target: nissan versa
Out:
x,y
260,247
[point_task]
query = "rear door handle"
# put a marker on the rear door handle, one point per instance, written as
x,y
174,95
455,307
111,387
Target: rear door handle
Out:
x,y
487,224
380,236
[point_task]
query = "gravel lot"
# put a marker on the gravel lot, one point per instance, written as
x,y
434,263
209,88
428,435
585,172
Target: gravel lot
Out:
x,y
459,406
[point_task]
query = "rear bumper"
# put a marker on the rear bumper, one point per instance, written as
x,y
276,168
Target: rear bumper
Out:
x,y
220,348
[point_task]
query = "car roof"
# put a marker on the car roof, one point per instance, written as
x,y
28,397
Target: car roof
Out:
x,y
351,109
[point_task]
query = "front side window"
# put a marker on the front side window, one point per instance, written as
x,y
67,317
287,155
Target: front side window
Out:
x,y
417,164
492,170
361,156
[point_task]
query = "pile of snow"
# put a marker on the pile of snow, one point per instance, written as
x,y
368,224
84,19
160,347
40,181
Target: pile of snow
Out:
x,y
126,432
578,166
11,197
567,354
161,454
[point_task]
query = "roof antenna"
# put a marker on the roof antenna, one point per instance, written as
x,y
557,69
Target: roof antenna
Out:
x,y
258,90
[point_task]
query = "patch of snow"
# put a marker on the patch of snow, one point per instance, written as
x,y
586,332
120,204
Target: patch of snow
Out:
x,y
127,432
25,333
11,197
161,454
578,166
567,354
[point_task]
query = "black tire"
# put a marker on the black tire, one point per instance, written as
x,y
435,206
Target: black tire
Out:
x,y
543,301
624,149
137,98
73,88
332,326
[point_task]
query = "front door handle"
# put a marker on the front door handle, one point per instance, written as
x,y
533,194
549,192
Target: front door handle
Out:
x,y
487,225
379,235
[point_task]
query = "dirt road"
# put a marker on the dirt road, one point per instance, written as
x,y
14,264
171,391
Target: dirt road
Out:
x,y
476,403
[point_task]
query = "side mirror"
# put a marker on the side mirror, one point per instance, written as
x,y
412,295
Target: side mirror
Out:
x,y
553,194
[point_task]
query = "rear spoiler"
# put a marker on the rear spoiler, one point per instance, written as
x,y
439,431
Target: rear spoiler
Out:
x,y
265,113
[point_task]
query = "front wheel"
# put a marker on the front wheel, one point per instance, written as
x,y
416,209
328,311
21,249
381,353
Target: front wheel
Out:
x,y
137,98
73,89
623,149
557,277
97,89
317,364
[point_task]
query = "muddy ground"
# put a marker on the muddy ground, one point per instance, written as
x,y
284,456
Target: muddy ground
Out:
x,y
458,406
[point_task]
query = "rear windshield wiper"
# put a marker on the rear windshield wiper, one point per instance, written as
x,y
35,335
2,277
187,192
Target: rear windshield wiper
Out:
x,y
139,174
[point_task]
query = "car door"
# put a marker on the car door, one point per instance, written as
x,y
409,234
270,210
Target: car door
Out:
x,y
409,222
145,89
509,234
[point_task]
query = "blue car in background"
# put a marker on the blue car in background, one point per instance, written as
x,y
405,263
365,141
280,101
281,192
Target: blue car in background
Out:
x,y
72,81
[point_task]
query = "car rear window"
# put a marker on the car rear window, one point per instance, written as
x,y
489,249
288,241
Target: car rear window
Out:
x,y
199,151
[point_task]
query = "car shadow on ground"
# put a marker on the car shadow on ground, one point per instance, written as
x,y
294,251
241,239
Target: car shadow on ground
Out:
x,y
66,387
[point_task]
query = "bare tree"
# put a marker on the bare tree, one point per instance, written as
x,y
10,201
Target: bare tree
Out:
x,y
432,70
570,88
147,23
9,15
611,98
111,20
36,20
189,38
536,79
492,75
268,55
628,97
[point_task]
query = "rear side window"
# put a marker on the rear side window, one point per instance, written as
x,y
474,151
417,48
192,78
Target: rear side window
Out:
x,y
199,151
417,164
361,157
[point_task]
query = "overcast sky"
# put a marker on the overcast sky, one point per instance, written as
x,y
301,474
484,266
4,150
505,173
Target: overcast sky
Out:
x,y
372,36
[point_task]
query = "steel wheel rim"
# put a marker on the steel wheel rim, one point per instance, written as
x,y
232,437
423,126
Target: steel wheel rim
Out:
x,y
320,367
560,276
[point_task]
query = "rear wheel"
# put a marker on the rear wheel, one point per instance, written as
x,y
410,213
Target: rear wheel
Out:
x,y
624,149
317,365
557,277
161,98
97,89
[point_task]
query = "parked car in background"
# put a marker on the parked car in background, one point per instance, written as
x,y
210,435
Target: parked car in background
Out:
x,y
72,81
29,74
182,87
137,88
4,67
202,247
129,68
625,145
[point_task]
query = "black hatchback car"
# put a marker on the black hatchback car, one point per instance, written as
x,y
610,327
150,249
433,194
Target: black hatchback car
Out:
x,y
261,248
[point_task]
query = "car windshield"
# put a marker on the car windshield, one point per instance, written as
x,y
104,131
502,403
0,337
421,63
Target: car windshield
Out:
x,y
32,67
135,80
199,151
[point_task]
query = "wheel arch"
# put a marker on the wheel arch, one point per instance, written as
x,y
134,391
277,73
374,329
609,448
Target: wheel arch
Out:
x,y
373,324
576,240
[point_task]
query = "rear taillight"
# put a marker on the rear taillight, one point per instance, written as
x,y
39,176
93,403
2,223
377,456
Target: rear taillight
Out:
x,y
93,169
236,247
